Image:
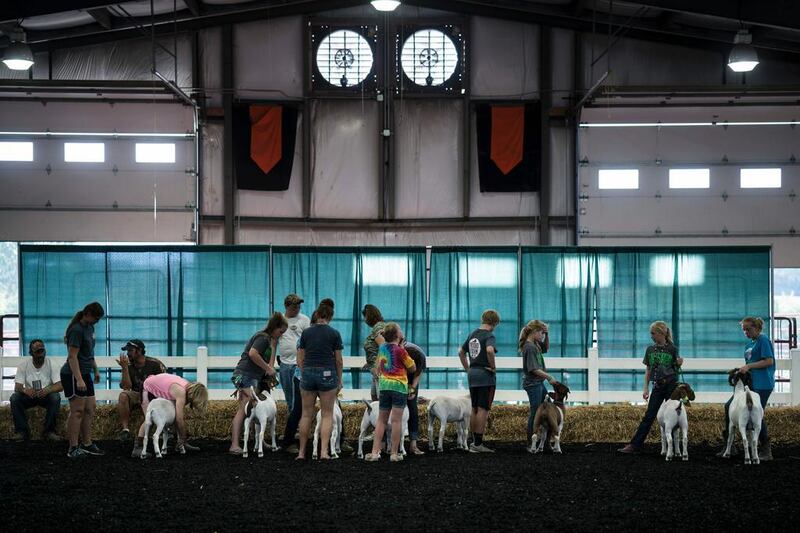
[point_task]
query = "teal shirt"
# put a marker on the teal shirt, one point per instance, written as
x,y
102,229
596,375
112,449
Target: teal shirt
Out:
x,y
756,350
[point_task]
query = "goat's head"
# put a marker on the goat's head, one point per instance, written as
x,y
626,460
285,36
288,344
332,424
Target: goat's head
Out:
x,y
683,391
734,376
560,392
268,383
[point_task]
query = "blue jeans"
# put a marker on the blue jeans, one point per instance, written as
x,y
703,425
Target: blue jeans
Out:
x,y
536,394
413,417
287,382
763,436
657,397
20,403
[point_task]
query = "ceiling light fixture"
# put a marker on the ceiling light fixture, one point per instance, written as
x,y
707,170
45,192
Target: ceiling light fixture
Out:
x,y
743,57
385,5
18,55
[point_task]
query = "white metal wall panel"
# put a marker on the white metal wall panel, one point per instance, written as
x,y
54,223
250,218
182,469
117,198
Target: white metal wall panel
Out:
x,y
344,153
504,58
268,58
428,158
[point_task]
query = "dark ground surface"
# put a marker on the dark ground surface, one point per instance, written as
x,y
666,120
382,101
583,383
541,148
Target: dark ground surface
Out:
x,y
586,488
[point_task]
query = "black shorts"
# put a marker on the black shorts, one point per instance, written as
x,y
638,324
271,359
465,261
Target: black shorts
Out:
x,y
71,387
482,397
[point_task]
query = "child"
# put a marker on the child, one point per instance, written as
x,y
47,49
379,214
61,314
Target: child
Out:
x,y
393,364
480,367
662,363
533,342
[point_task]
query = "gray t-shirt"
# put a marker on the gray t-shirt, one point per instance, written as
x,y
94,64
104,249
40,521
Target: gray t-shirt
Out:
x,y
82,338
532,359
663,362
320,341
475,347
260,343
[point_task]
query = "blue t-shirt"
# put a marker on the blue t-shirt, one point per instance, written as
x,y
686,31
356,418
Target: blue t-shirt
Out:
x,y
320,341
756,350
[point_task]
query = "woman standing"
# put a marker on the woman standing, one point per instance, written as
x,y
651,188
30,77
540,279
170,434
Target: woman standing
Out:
x,y
663,363
257,361
76,378
418,356
319,357
374,319
533,343
760,362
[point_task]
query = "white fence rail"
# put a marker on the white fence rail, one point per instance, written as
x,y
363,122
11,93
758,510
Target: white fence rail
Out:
x,y
592,364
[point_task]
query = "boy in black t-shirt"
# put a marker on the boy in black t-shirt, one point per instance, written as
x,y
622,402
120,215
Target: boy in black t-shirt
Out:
x,y
477,357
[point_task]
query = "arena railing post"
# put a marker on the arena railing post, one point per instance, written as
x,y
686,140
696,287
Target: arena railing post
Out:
x,y
202,365
794,378
593,376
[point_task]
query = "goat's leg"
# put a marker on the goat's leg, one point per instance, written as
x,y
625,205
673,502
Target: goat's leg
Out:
x,y
273,422
685,440
334,439
431,440
317,428
442,429
670,444
262,427
663,438
754,444
165,440
246,436
364,427
144,442
727,453
156,439
745,443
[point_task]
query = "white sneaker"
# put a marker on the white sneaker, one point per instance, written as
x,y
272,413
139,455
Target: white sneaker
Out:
x,y
372,457
480,449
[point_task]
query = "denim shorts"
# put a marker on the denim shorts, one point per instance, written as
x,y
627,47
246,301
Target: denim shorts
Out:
x,y
319,379
390,399
243,381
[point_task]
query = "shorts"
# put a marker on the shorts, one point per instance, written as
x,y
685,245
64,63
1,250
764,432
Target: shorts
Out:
x,y
70,385
319,379
390,399
243,381
482,397
134,398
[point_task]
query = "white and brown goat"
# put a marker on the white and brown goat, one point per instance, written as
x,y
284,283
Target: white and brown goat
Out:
x,y
674,423
745,414
549,420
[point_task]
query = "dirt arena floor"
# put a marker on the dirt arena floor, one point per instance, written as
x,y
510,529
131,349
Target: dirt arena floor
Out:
x,y
588,488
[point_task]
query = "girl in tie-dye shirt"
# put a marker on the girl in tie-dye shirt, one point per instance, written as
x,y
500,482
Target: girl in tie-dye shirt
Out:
x,y
393,366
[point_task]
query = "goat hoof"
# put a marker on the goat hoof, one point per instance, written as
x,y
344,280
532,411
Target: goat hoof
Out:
x,y
159,456
685,457
261,454
747,461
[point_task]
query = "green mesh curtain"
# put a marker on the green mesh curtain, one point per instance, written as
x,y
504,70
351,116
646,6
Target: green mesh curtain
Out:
x,y
558,287
702,293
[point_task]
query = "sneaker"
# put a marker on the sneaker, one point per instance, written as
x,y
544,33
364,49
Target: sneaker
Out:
x,y
484,449
190,448
19,437
125,434
346,448
293,449
92,449
76,453
396,457
51,436
629,449
372,457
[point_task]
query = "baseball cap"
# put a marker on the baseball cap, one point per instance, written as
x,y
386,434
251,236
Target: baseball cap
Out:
x,y
292,299
134,343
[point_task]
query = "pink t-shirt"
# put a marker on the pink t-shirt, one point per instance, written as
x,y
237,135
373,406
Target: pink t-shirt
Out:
x,y
159,385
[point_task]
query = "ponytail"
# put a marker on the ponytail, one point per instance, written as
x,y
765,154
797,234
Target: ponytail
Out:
x,y
94,309
530,327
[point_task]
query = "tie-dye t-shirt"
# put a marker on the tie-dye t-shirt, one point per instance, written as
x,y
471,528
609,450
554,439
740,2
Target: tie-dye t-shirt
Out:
x,y
393,361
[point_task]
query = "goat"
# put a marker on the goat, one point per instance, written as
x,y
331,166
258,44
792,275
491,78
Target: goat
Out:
x,y
446,409
744,414
262,412
370,418
549,420
672,421
335,432
160,412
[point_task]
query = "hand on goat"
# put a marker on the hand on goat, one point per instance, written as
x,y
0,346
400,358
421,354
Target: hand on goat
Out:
x,y
743,370
646,393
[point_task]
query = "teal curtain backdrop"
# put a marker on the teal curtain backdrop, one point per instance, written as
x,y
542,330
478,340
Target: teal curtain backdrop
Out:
x,y
178,298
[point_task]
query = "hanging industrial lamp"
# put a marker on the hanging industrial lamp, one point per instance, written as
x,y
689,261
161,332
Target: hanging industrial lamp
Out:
x,y
385,5
743,57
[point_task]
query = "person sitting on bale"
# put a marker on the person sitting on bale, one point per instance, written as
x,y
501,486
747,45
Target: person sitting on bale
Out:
x,y
180,391
37,384
136,367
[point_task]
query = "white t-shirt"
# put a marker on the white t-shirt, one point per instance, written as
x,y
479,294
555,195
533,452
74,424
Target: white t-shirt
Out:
x,y
287,344
27,373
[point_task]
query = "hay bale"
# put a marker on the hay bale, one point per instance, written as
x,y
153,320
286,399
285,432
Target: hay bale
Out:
x,y
598,423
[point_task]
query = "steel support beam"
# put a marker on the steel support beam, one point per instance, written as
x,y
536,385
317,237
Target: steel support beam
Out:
x,y
545,99
229,184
